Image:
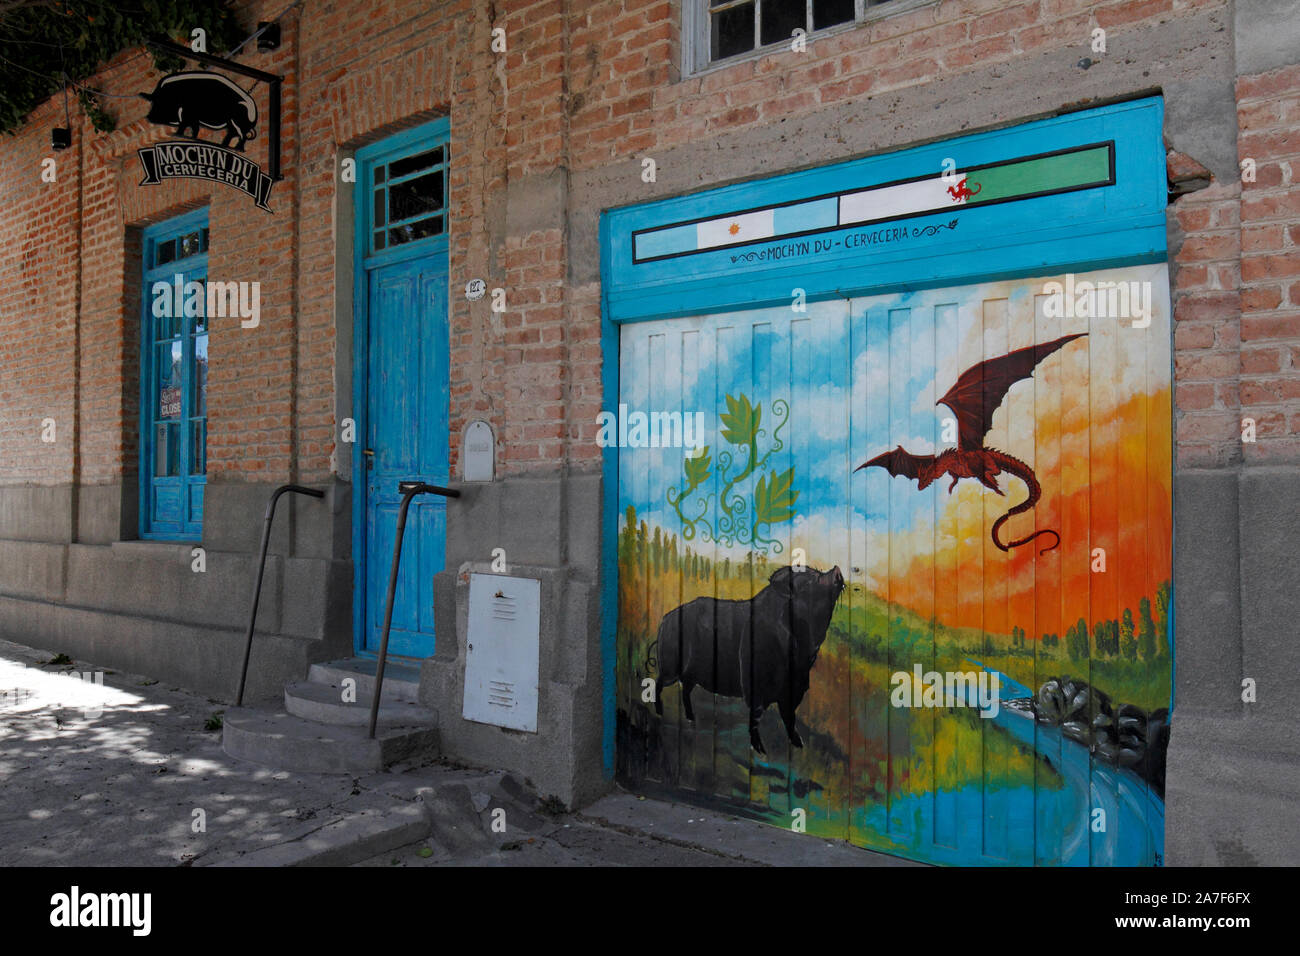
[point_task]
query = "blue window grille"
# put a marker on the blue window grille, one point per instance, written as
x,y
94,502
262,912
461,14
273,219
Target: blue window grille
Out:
x,y
174,378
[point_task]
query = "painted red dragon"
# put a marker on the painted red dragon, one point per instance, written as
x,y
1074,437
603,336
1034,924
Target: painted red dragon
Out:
x,y
976,396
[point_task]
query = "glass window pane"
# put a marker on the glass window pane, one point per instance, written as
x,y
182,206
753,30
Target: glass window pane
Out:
x,y
733,31
167,449
165,252
381,240
420,229
203,239
165,327
403,167
415,196
198,447
380,207
188,244
199,391
827,13
381,173
167,391
781,18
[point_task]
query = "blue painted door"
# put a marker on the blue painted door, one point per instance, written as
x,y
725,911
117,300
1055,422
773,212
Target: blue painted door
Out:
x,y
974,696
402,382
407,419
174,378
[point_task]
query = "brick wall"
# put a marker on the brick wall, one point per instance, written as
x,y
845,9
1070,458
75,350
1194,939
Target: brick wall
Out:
x,y
580,86
1268,110
39,235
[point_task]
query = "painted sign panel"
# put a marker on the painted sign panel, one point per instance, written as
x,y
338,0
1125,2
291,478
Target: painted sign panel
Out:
x,y
908,583
1087,189
1083,167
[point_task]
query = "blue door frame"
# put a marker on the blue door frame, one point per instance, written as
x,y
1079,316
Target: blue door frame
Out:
x,y
171,507
420,266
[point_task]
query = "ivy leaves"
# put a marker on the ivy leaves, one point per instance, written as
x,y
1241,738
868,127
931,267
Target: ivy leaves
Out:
x,y
736,517
40,41
740,421
697,469
775,502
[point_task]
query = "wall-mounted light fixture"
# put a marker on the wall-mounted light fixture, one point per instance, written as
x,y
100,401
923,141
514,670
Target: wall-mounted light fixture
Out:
x,y
269,36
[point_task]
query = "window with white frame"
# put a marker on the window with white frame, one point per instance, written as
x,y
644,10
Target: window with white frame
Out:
x,y
718,31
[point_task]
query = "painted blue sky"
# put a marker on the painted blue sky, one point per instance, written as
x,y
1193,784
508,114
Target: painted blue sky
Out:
x,y
861,377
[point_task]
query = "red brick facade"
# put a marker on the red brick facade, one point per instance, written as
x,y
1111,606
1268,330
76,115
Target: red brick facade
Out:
x,y
544,135
580,86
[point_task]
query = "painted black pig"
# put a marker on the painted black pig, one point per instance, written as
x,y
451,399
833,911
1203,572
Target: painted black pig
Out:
x,y
761,650
190,100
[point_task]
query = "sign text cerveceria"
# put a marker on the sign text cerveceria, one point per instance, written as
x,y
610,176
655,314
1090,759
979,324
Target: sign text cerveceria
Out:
x,y
200,161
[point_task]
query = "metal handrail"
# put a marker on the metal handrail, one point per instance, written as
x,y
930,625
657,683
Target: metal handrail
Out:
x,y
261,567
409,490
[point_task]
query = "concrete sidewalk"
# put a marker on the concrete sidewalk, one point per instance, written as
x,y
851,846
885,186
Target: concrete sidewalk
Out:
x,y
131,773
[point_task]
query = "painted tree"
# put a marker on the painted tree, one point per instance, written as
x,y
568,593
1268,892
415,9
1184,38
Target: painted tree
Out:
x,y
1099,638
1146,631
627,540
1164,598
1127,641
1076,640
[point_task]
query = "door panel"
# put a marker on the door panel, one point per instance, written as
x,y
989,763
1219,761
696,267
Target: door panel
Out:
x,y
941,580
174,368
407,402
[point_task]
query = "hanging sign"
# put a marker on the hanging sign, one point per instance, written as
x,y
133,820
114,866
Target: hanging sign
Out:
x,y
190,101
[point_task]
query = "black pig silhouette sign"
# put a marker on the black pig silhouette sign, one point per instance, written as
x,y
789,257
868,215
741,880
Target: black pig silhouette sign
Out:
x,y
189,100
761,650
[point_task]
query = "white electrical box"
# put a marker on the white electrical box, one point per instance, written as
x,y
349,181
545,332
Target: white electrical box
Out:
x,y
501,657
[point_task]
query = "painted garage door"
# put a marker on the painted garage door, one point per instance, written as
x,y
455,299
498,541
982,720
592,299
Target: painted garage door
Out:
x,y
897,569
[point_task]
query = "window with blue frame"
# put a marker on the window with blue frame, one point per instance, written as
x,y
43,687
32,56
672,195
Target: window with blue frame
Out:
x,y
174,378
409,199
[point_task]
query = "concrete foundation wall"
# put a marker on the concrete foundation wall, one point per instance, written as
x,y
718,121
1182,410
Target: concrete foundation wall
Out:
x,y
549,530
142,606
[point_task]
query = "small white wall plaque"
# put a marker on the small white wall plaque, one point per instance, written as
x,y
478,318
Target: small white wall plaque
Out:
x,y
478,447
474,289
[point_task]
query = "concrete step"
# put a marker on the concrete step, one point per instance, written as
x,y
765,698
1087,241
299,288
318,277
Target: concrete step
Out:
x,y
286,742
324,703
346,841
401,678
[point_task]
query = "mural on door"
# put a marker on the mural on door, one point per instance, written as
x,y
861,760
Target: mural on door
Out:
x,y
880,653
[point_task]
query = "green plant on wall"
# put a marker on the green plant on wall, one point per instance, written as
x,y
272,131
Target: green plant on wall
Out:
x,y
736,518
47,46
